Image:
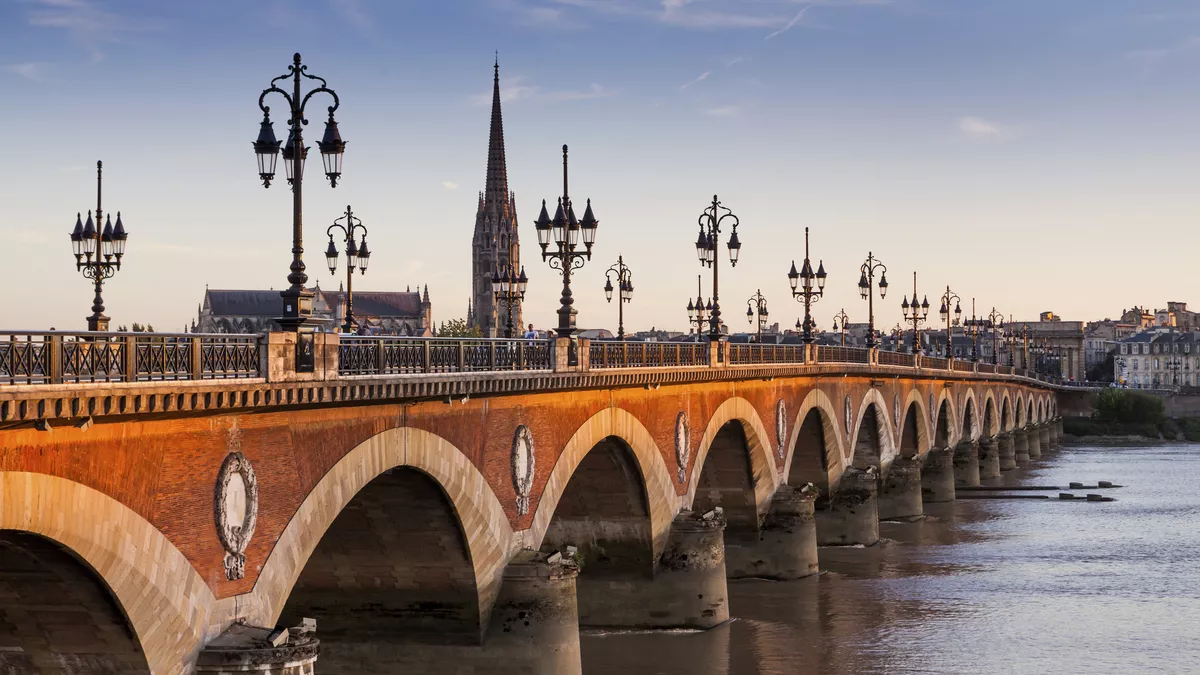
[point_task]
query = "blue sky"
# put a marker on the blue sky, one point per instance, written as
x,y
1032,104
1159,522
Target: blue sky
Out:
x,y
1036,155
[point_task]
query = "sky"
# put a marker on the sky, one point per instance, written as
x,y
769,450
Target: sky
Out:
x,y
1033,155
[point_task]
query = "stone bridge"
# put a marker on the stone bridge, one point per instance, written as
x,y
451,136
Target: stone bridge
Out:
x,y
463,505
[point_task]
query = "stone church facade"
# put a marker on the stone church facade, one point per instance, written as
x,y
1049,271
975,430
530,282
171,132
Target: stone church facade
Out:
x,y
495,245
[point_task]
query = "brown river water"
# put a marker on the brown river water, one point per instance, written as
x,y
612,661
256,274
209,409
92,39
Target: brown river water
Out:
x,y
979,586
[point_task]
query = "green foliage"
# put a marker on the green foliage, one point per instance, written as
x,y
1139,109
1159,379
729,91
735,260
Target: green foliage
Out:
x,y
1082,426
1103,371
1126,406
1191,428
458,328
137,328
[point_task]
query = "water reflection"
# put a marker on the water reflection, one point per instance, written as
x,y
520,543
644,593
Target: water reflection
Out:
x,y
977,587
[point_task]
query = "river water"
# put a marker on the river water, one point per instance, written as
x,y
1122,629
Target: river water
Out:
x,y
980,586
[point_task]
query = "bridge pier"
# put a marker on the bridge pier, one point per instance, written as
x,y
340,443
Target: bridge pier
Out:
x,y
937,476
989,458
249,649
1035,441
1021,445
850,515
900,494
1008,454
1044,430
1058,430
534,626
966,464
787,541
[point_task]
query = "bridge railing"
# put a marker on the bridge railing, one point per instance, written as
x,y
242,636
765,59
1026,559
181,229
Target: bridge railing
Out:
x,y
935,363
749,354
964,366
28,357
623,354
831,354
986,368
368,355
896,359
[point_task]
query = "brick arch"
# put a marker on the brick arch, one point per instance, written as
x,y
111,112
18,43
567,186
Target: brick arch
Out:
x,y
661,499
485,527
763,473
990,412
924,428
954,427
835,444
167,603
971,403
887,444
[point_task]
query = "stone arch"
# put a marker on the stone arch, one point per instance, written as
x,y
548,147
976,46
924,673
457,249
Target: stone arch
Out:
x,y
944,431
166,602
1029,415
946,402
873,404
1019,411
991,421
1006,421
924,430
970,421
484,527
661,499
763,476
815,424
1039,417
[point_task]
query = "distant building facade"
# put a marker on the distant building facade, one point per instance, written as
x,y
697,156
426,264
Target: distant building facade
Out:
x,y
1158,359
378,312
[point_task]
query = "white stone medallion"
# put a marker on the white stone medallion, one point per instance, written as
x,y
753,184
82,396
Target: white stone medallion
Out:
x,y
896,414
683,444
849,417
933,411
235,508
523,460
781,427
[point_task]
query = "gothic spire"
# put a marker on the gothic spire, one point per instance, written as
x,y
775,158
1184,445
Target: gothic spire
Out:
x,y
496,185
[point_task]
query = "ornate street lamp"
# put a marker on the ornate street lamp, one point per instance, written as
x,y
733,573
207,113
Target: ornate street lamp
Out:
x,y
357,255
866,287
508,290
950,297
807,287
297,300
706,250
973,331
564,231
757,306
98,252
996,323
624,291
698,311
841,316
917,313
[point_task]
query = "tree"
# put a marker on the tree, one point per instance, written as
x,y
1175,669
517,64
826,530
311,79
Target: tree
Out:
x,y
137,328
1129,407
458,328
1102,371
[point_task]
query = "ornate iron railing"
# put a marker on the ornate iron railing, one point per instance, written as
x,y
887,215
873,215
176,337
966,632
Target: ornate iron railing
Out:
x,y
66,357
935,362
624,354
362,355
740,354
964,366
896,359
830,354
986,368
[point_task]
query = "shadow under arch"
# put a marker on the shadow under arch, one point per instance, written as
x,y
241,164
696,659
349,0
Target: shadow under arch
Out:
x,y
946,405
991,422
970,425
483,525
943,432
816,445
165,600
916,414
877,446
1006,421
661,498
738,416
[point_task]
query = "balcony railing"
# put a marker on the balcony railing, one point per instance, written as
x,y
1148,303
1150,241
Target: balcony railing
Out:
x,y
750,354
66,357
608,354
403,356
829,354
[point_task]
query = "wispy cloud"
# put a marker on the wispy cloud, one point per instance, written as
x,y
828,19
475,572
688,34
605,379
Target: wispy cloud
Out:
x,y
1155,55
34,72
354,14
518,88
724,111
691,14
449,185
88,22
979,129
795,20
702,77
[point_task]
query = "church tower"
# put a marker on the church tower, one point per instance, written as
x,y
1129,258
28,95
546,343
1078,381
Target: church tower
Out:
x,y
495,245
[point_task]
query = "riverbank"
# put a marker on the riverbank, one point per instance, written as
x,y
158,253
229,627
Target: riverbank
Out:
x,y
1083,430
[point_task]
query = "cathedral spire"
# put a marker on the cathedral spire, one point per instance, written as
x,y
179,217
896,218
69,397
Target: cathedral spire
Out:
x,y
496,185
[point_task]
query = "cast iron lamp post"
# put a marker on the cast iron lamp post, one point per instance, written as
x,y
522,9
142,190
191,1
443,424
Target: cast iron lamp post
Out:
x,y
706,250
698,310
564,230
624,291
98,252
948,297
509,290
866,284
972,330
841,316
297,300
357,255
808,291
918,314
757,306
996,321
